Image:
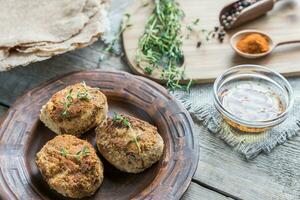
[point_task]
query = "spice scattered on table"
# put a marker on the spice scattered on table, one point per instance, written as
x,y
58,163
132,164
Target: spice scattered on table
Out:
x,y
253,43
195,30
231,16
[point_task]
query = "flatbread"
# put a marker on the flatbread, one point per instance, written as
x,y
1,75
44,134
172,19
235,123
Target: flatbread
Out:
x,y
96,27
4,53
88,35
37,50
16,59
30,21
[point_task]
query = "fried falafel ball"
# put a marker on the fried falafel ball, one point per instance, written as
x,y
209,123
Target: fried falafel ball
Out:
x,y
129,144
70,166
75,110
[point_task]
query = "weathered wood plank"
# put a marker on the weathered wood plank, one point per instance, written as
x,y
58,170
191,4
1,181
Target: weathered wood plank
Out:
x,y
275,176
196,192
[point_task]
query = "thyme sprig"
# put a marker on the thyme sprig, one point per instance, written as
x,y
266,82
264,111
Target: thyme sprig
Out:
x,y
80,154
67,103
125,25
81,95
161,44
119,118
136,142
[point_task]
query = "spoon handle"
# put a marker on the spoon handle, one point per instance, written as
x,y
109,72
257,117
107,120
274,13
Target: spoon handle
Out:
x,y
288,42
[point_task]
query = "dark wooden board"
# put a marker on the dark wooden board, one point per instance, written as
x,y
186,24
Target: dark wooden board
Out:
x,y
22,135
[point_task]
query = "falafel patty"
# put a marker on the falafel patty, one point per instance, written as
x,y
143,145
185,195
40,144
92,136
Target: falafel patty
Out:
x,y
70,166
75,110
128,143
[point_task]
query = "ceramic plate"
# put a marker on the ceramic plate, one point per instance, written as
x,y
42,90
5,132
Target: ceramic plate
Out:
x,y
22,135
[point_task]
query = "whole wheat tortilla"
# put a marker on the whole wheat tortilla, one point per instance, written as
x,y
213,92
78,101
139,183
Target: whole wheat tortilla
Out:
x,y
30,21
18,58
4,53
91,8
97,25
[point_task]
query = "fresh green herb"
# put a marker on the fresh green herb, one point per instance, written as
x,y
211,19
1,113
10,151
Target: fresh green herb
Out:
x,y
82,153
85,151
84,84
83,95
69,99
149,70
67,103
136,142
188,86
120,118
196,22
64,152
117,117
191,27
160,47
125,25
126,123
69,95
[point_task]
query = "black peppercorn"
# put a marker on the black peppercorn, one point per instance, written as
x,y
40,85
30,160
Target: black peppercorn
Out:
x,y
199,44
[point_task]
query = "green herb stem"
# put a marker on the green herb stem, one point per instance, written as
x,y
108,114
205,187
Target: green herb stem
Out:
x,y
161,44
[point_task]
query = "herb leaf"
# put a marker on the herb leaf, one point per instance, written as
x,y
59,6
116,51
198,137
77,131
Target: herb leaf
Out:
x,y
160,47
125,25
83,95
126,123
85,151
64,152
123,120
82,153
135,140
117,117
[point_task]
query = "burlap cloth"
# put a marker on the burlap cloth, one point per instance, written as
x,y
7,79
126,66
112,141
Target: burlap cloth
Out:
x,y
199,103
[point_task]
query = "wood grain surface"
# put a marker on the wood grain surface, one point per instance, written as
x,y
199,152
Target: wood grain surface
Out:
x,y
204,64
198,192
168,179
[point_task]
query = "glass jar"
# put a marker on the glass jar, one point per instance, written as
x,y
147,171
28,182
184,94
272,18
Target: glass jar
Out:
x,y
252,98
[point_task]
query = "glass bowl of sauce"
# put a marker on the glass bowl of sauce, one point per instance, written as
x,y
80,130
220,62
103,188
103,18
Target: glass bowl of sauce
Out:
x,y
252,98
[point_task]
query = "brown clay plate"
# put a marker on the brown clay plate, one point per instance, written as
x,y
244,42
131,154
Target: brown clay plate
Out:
x,y
22,135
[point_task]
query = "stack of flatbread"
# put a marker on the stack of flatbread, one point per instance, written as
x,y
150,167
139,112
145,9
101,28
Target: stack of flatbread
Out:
x,y
35,30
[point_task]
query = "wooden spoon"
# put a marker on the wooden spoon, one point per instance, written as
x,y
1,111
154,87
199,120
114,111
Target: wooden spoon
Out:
x,y
272,44
249,13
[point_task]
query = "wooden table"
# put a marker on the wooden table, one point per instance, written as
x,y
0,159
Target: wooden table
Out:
x,y
221,173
